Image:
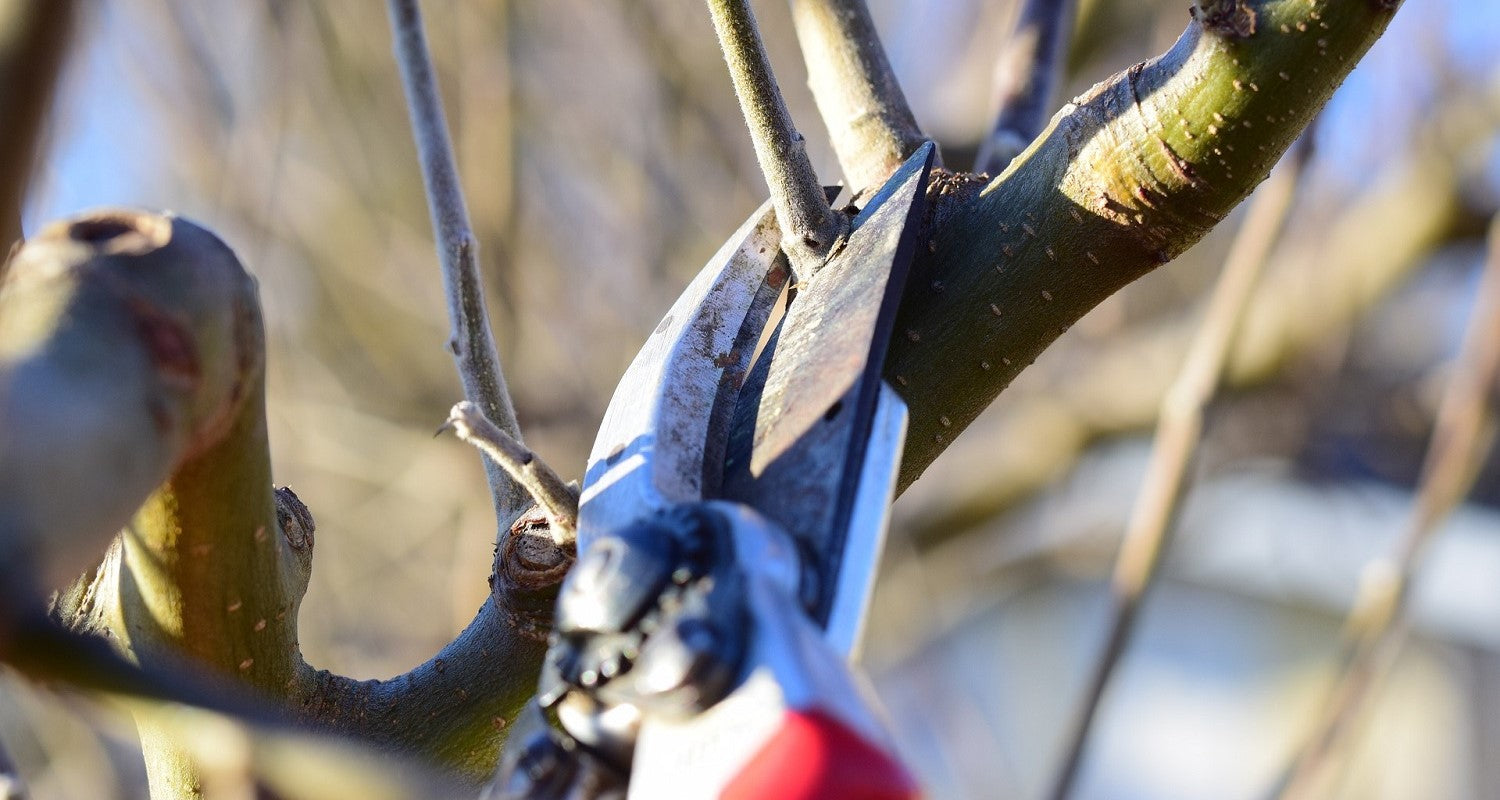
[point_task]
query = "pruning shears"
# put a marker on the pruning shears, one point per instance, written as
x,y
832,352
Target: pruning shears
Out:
x,y
731,521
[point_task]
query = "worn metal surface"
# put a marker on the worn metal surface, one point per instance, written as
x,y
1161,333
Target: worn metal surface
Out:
x,y
653,449
813,414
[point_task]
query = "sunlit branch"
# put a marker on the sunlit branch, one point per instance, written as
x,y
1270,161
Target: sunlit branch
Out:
x,y
558,500
872,127
471,342
810,228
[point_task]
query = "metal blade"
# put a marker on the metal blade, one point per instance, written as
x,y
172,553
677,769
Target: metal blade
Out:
x,y
813,414
663,431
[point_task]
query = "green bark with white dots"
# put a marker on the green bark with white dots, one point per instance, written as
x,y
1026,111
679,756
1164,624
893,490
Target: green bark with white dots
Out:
x,y
1124,179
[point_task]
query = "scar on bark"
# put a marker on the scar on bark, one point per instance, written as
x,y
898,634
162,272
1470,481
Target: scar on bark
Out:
x,y
1229,18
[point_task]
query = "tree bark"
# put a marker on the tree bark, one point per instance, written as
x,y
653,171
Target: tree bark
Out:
x,y
1124,179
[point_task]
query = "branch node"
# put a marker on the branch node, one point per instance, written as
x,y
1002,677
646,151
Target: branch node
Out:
x,y
529,568
1233,19
557,498
295,520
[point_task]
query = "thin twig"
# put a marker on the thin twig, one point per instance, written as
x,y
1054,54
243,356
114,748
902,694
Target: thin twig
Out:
x,y
558,498
1177,435
810,228
871,125
471,342
1462,434
1030,66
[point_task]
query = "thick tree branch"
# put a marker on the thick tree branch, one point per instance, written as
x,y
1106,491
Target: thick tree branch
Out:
x,y
453,710
33,45
1115,386
1463,433
131,355
1026,76
456,709
203,570
472,343
810,228
129,345
872,128
1123,180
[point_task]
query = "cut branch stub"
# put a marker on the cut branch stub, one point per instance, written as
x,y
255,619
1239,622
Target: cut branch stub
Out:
x,y
128,342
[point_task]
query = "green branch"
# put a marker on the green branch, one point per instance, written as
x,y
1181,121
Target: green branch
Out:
x,y
132,357
129,343
1123,180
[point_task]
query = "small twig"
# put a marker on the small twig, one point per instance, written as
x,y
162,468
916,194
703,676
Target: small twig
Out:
x,y
1177,435
872,127
810,227
1462,434
558,498
471,342
1030,66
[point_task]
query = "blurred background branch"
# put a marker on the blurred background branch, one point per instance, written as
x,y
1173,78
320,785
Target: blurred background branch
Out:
x,y
1029,68
1179,429
34,42
1462,435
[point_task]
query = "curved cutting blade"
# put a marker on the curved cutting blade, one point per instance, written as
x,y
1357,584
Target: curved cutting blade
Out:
x,y
813,414
662,438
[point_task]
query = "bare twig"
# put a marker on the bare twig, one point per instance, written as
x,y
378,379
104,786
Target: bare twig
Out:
x,y
872,127
471,342
1026,76
809,227
1177,436
558,499
1462,434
